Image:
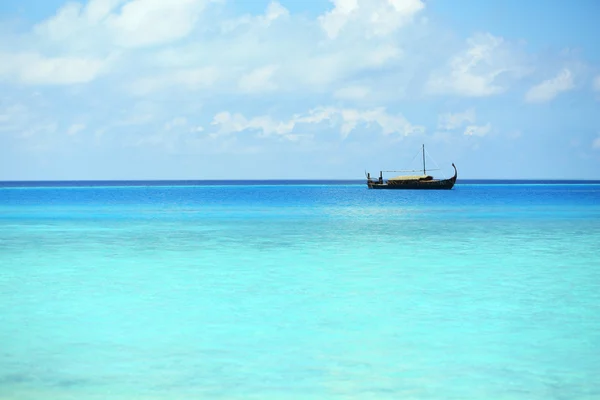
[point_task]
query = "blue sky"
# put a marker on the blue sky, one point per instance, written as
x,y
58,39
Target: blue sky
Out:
x,y
217,89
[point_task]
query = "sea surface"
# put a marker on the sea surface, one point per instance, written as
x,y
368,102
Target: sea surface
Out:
x,y
299,290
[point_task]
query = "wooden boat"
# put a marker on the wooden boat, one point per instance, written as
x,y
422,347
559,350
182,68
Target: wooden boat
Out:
x,y
424,181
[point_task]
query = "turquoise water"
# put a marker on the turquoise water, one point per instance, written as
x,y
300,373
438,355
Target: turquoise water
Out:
x,y
322,291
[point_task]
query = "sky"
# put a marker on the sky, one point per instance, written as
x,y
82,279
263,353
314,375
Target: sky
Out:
x,y
298,89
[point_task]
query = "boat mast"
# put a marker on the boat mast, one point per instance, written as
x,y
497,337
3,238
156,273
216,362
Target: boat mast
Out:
x,y
424,173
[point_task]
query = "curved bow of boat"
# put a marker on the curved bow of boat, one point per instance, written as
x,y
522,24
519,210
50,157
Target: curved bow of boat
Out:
x,y
455,173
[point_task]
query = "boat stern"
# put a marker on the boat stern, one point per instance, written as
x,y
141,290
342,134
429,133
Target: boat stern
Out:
x,y
372,182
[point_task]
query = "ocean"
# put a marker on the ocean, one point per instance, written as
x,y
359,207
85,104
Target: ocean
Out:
x,y
299,290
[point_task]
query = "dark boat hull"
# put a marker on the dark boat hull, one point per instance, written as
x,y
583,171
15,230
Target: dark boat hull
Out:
x,y
445,184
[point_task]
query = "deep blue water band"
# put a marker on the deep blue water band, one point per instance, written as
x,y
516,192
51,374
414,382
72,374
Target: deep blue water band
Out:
x,y
119,183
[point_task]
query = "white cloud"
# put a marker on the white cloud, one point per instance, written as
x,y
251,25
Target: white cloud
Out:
x,y
449,121
264,62
97,10
596,143
596,84
231,123
477,70
372,17
346,119
365,58
70,21
478,130
389,123
549,89
258,80
75,129
186,45
273,12
34,69
138,23
317,115
334,20
151,22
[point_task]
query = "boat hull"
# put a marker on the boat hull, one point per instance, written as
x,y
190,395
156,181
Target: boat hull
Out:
x,y
445,184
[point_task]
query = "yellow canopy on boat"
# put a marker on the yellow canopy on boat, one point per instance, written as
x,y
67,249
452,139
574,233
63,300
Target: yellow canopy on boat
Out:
x,y
411,178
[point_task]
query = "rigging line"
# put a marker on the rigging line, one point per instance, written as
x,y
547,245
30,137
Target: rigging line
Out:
x,y
411,161
436,164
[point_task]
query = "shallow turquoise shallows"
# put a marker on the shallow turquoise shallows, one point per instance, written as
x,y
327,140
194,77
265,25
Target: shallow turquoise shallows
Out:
x,y
287,291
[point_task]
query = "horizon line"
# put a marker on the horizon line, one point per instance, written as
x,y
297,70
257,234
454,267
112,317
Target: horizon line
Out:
x,y
465,180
